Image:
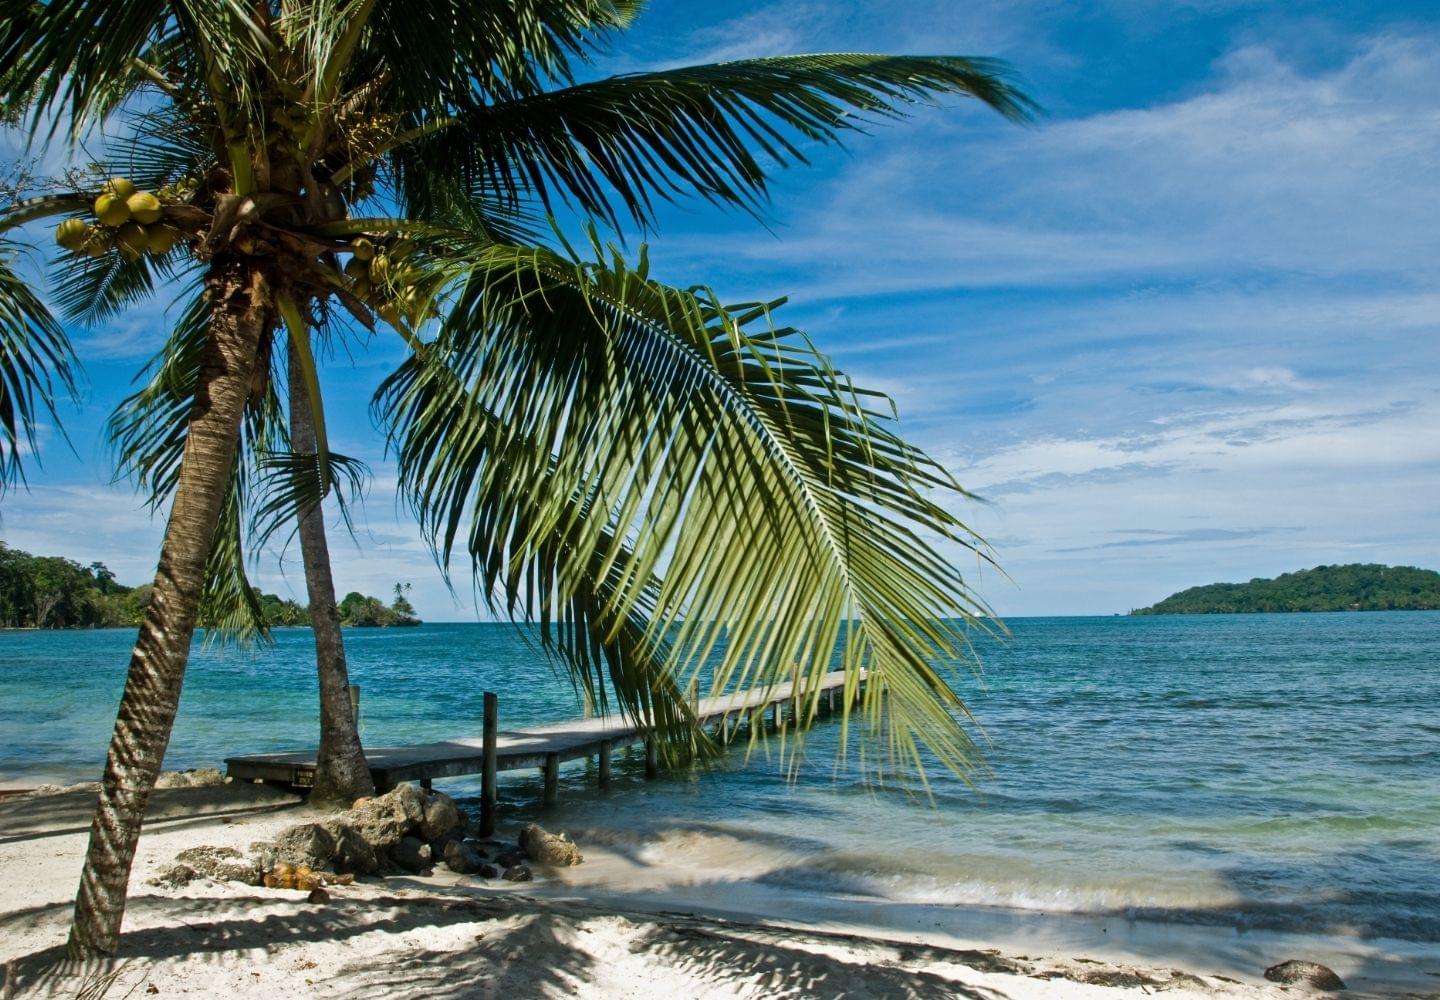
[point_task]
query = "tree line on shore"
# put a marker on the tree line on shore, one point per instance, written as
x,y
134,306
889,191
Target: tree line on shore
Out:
x,y
1354,587
52,592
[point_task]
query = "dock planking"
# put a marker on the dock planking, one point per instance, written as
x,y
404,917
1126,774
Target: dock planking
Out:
x,y
544,747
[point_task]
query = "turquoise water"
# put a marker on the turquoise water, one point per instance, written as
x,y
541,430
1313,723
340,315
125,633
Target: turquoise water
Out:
x,y
1264,771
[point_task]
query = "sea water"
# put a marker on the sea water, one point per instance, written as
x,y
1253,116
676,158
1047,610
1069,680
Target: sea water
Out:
x,y
1255,772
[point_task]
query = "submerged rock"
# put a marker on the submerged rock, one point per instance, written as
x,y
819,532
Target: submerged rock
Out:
x,y
1311,973
462,859
549,848
519,873
509,859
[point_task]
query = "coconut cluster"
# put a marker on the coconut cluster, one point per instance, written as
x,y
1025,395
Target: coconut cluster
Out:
x,y
127,219
386,277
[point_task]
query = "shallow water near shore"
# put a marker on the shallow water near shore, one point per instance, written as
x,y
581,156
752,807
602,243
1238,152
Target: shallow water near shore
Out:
x,y
1250,774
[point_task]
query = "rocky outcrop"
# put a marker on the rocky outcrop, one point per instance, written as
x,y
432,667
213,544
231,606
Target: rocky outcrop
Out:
x,y
555,849
223,864
441,818
384,819
352,853
396,831
1309,973
463,859
519,873
412,854
202,777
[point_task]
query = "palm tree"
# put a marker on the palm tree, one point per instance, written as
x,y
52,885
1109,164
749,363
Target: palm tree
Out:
x,y
648,474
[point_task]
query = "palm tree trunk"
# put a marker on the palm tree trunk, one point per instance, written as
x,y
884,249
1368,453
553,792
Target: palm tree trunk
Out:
x,y
341,772
240,297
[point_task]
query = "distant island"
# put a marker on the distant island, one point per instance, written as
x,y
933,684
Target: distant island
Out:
x,y
1356,587
52,592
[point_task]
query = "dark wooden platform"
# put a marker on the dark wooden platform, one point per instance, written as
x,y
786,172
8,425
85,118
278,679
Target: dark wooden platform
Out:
x,y
543,747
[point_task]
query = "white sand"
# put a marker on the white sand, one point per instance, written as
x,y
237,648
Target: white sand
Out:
x,y
449,937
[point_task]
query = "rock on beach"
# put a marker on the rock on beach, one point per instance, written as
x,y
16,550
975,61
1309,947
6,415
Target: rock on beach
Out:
x,y
1310,973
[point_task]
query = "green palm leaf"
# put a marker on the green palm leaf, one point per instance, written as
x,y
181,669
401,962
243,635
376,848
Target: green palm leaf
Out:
x,y
715,131
37,365
661,457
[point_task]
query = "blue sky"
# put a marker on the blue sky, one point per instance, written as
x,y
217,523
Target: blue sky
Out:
x,y
1183,329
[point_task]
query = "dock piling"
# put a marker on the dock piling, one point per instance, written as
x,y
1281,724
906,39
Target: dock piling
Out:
x,y
552,779
489,738
604,756
652,758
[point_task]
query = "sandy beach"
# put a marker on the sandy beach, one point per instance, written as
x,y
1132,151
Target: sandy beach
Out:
x,y
565,934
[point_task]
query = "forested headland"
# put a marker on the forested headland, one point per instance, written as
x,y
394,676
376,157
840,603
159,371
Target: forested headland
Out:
x,y
52,592
1354,587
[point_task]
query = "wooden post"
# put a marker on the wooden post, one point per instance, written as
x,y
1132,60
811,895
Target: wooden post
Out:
x,y
830,701
355,704
775,715
487,773
552,779
426,784
652,758
604,765
692,694
724,730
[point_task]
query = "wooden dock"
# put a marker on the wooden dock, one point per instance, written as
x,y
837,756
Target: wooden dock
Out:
x,y
543,747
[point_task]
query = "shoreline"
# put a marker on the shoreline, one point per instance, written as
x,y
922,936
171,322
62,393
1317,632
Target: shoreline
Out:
x,y
586,931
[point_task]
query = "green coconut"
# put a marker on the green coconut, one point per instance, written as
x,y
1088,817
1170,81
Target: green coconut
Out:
x,y
132,240
355,269
144,207
119,187
71,234
111,210
160,240
390,313
362,248
98,241
380,269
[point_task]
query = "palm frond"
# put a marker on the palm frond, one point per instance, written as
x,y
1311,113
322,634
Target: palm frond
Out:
x,y
230,608
289,485
713,471
443,54
616,145
37,367
83,58
93,289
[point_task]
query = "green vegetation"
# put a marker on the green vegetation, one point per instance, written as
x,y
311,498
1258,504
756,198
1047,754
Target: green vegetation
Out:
x,y
1356,587
55,592
360,611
